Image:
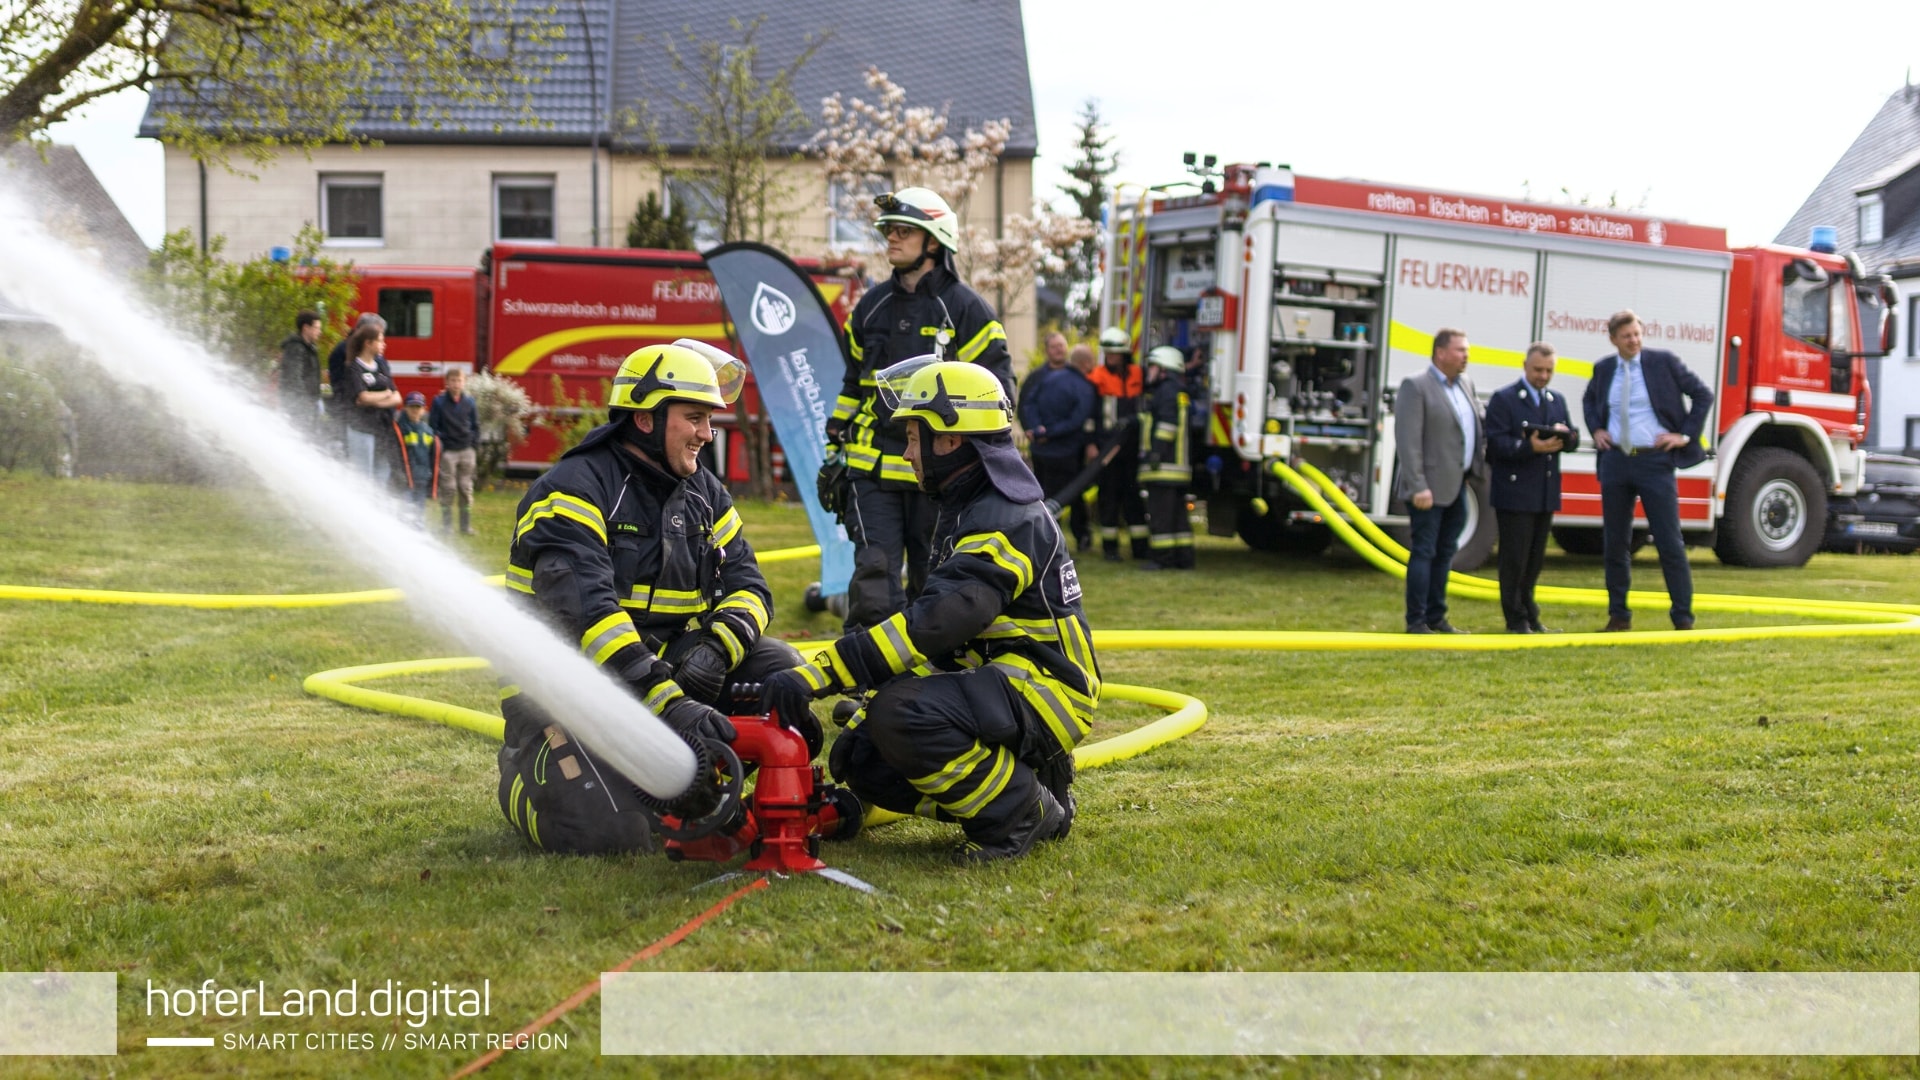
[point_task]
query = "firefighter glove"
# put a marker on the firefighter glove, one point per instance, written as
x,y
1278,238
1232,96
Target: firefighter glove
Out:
x,y
788,695
702,673
836,430
692,719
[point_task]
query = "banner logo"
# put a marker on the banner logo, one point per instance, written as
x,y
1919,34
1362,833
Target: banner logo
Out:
x,y
772,310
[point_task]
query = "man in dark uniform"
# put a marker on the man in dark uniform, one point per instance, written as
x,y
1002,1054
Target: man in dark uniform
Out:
x,y
1118,380
1165,467
987,680
923,308
1528,428
631,548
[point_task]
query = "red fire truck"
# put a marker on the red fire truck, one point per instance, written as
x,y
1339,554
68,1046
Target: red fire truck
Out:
x,y
1312,299
537,312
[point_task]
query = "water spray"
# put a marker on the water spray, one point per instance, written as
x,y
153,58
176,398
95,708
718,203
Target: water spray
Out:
x,y
102,319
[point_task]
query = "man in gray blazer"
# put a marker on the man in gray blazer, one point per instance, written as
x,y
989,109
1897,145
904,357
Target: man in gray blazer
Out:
x,y
1441,433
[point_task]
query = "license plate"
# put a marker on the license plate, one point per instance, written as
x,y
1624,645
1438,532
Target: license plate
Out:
x,y
1873,528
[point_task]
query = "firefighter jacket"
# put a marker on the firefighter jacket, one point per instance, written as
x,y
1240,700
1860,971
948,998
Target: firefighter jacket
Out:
x,y
1003,593
892,323
1119,394
420,450
624,557
1163,433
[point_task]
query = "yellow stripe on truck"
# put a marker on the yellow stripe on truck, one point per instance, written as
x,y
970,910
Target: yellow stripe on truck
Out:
x,y
522,359
1404,338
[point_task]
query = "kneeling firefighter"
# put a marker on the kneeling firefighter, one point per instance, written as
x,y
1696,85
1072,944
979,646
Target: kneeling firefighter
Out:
x,y
631,548
986,681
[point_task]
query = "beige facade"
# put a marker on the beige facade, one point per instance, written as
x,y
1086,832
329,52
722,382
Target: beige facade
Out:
x,y
436,204
806,220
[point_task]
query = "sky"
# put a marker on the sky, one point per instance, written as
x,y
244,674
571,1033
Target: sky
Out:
x,y
1675,107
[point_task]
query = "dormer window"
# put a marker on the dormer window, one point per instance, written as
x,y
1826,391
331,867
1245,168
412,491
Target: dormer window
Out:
x,y
1872,218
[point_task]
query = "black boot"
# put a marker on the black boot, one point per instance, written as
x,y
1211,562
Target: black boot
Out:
x,y
1046,821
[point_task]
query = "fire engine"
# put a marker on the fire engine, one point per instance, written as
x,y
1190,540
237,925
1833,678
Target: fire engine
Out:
x,y
1312,299
537,313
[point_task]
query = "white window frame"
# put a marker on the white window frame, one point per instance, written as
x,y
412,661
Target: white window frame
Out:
x,y
705,231
1870,209
503,181
328,181
869,238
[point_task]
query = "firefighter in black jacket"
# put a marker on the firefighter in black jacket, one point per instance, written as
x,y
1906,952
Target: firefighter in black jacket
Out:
x,y
922,308
1165,470
986,681
629,547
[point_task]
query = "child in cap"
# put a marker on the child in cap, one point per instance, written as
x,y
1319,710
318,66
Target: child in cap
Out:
x,y
420,449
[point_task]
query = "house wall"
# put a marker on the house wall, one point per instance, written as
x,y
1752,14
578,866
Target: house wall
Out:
x,y
1896,385
805,214
437,200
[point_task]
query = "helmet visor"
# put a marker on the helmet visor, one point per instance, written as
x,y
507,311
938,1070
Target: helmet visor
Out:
x,y
893,379
729,377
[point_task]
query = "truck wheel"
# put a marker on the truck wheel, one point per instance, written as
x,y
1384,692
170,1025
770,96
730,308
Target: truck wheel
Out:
x,y
1578,540
1776,511
1478,535
1262,532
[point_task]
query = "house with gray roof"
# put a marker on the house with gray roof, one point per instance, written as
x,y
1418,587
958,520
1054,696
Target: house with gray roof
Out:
x,y
1871,197
570,164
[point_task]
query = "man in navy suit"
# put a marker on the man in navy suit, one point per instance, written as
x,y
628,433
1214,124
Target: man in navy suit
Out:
x,y
1643,431
1527,430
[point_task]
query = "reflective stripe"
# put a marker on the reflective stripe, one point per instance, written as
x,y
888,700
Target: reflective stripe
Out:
x,y
567,506
749,602
817,680
674,601
997,778
1165,431
997,547
1050,699
513,800
853,343
896,645
828,660
519,578
726,528
730,642
844,407
662,695
508,691
894,467
609,636
988,334
533,824
862,457
952,772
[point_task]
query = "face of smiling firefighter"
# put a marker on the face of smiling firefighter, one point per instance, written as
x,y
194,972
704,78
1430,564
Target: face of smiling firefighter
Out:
x,y
689,430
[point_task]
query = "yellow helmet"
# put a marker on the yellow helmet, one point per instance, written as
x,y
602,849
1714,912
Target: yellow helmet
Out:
x,y
953,397
686,370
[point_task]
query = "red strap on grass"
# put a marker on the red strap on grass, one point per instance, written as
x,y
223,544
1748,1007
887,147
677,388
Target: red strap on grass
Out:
x,y
581,995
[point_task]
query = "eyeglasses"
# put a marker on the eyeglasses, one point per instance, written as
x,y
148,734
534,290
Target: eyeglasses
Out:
x,y
895,230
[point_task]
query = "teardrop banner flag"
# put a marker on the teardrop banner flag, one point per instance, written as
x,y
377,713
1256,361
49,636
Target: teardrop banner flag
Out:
x,y
791,342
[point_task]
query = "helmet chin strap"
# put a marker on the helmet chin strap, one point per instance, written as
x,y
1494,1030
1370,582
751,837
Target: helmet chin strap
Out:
x,y
652,444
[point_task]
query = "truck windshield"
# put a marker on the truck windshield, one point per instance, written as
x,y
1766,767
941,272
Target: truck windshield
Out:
x,y
1873,319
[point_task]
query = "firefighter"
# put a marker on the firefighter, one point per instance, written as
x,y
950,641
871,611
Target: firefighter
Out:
x,y
1165,469
986,681
1118,381
629,547
922,308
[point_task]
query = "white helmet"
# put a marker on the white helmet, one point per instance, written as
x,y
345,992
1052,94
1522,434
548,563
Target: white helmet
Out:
x,y
1114,339
1166,356
923,209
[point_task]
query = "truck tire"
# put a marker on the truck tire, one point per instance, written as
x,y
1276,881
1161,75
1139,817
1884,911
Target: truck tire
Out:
x,y
1477,537
1776,511
1579,539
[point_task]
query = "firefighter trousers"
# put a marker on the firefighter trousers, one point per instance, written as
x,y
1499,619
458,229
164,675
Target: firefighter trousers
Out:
x,y
887,525
567,800
1120,499
956,746
1169,526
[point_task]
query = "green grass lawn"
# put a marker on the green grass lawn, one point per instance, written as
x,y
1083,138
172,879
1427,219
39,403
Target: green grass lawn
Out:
x,y
174,808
